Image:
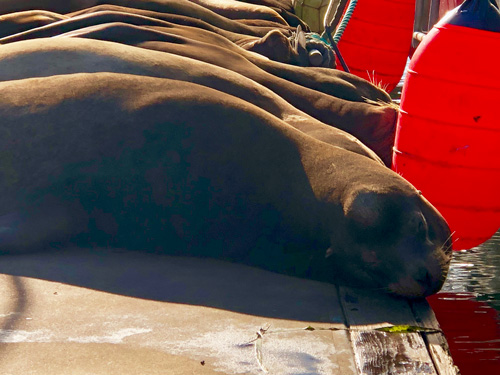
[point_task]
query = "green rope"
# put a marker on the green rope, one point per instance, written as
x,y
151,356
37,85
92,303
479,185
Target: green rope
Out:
x,y
345,20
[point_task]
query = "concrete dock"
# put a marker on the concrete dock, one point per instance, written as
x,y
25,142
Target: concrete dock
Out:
x,y
109,311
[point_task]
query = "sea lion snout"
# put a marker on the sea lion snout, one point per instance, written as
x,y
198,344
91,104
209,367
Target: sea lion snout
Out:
x,y
423,278
399,243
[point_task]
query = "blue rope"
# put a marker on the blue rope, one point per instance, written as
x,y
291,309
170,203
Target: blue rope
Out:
x,y
318,37
345,20
329,28
332,41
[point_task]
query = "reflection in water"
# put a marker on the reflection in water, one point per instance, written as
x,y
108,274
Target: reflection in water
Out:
x,y
468,308
477,271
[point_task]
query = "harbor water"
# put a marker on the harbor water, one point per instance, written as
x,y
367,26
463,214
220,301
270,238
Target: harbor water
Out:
x,y
468,308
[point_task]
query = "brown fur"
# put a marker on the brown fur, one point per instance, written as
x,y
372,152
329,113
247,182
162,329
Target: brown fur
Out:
x,y
67,55
172,166
241,10
14,23
373,125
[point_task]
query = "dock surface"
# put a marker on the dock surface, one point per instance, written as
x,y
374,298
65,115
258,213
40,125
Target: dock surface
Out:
x,y
118,312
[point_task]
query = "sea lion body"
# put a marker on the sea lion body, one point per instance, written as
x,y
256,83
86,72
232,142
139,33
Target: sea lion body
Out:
x,y
241,10
191,145
373,125
164,165
14,23
179,7
75,55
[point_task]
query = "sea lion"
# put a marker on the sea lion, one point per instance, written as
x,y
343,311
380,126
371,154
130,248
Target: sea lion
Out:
x,y
284,9
371,124
180,7
280,4
174,18
274,49
241,10
164,165
14,23
74,55
101,17
374,125
332,82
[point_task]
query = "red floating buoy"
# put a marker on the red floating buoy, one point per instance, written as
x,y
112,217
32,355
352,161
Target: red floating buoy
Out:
x,y
377,40
448,133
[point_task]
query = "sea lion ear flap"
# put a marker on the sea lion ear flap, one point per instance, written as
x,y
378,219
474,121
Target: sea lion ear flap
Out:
x,y
299,47
363,208
300,40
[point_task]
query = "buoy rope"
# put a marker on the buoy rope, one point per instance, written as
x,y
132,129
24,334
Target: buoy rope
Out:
x,y
333,45
337,51
318,37
345,20
332,41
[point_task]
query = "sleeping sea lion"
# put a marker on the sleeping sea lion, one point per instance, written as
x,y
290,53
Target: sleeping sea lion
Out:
x,y
241,10
163,165
53,56
180,7
14,23
372,125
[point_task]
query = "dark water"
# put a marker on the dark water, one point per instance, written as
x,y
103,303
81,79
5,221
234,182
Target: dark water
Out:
x,y
468,308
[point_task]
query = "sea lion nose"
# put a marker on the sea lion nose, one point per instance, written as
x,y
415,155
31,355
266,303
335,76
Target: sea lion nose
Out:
x,y
424,278
428,281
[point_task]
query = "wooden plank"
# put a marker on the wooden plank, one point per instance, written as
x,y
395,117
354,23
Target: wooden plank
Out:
x,y
343,356
436,342
391,353
374,310
379,352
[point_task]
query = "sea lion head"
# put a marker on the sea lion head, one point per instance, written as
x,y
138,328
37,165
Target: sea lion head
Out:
x,y
393,240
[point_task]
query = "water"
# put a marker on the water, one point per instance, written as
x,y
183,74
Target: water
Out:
x,y
468,308
477,271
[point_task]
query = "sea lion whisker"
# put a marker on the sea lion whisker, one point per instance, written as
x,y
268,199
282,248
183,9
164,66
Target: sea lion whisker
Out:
x,y
381,103
446,248
450,237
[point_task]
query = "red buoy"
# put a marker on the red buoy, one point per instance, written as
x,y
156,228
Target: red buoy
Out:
x,y
448,133
377,40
